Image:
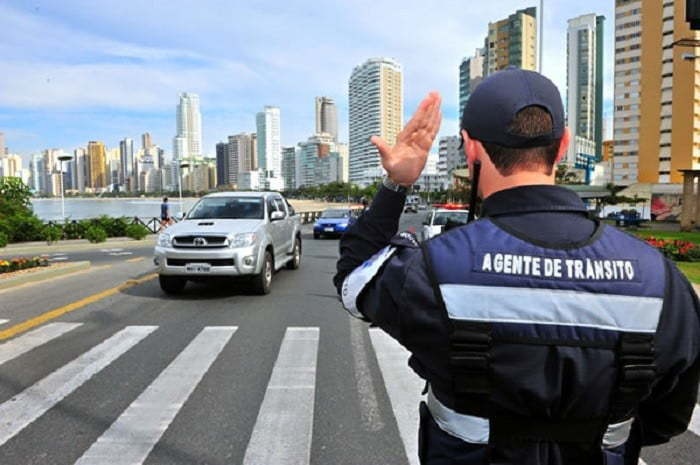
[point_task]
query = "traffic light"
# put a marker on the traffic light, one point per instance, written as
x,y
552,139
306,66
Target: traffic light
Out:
x,y
692,13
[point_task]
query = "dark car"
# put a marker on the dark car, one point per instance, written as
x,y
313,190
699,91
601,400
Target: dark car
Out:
x,y
333,222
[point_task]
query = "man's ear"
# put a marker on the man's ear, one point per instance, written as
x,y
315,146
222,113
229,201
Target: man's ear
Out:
x,y
563,145
470,147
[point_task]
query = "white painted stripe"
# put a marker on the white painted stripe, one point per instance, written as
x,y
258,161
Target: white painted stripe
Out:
x,y
132,436
552,307
641,462
403,386
58,259
282,431
23,344
20,411
3,321
694,425
369,405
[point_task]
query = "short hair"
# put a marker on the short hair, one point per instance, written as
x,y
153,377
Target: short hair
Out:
x,y
165,199
530,121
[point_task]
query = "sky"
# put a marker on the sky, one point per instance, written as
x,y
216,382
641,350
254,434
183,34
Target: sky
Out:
x,y
80,70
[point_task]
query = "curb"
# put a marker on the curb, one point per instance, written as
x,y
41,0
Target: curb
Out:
x,y
39,249
42,275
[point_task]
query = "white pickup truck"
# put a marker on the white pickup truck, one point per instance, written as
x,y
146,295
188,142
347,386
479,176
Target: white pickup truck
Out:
x,y
230,234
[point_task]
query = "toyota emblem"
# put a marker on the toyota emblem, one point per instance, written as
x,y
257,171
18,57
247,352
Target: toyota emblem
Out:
x,y
200,242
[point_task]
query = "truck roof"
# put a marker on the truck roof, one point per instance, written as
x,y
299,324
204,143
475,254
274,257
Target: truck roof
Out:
x,y
242,194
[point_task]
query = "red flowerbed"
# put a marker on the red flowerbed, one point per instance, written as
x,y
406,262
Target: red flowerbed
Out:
x,y
676,249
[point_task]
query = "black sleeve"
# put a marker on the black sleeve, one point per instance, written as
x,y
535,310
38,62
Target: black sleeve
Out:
x,y
370,233
667,411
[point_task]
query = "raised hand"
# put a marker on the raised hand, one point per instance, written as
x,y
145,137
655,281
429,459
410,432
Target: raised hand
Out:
x,y
405,161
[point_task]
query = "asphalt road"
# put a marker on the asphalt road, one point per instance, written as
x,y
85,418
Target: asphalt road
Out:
x,y
214,376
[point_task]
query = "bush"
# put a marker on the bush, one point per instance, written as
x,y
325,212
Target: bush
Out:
x,y
95,234
22,263
52,233
114,227
137,231
23,227
73,230
679,250
3,239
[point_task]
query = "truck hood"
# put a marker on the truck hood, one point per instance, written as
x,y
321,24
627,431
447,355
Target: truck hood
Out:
x,y
213,226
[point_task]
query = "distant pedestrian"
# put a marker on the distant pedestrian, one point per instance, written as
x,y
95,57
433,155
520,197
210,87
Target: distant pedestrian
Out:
x,y
165,218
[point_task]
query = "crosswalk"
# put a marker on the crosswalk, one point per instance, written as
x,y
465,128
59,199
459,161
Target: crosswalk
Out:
x,y
282,432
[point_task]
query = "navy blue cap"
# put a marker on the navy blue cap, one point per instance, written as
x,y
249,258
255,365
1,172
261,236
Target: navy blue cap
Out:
x,y
497,99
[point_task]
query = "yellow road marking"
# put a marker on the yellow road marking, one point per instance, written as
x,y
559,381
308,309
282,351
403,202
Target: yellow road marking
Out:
x,y
78,304
132,260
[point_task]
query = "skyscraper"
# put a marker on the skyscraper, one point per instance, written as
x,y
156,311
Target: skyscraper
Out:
x,y
188,140
98,164
471,72
315,148
222,163
585,88
239,156
376,108
2,144
657,91
126,163
268,137
512,42
326,117
146,141
289,167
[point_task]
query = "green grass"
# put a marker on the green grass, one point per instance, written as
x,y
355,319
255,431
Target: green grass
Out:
x,y
693,237
691,270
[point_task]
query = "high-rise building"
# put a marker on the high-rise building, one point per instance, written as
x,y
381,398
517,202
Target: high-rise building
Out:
x,y
289,167
657,93
268,137
512,42
376,108
126,163
584,94
98,164
239,156
471,72
450,156
80,169
37,177
222,165
2,144
314,149
10,166
188,140
146,141
251,163
326,117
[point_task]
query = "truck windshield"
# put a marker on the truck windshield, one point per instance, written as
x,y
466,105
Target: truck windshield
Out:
x,y
335,214
228,208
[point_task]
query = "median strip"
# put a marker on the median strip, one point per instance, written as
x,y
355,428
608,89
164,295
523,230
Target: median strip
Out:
x,y
60,311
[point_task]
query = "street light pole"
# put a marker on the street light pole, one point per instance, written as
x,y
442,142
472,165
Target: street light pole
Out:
x,y
61,159
179,184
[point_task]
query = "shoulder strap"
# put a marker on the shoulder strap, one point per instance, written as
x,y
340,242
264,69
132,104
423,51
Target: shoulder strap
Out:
x,y
469,351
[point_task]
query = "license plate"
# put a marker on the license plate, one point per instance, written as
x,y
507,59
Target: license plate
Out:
x,y
198,268
329,229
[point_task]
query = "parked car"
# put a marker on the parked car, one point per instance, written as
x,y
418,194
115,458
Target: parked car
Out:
x,y
230,234
436,221
410,208
333,222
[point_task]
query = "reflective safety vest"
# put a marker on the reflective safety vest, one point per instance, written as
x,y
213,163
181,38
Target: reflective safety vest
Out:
x,y
546,344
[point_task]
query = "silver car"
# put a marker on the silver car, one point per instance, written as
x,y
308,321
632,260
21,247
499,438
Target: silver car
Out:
x,y
230,234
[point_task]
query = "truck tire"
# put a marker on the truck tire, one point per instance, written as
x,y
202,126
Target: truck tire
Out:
x,y
262,281
171,284
294,263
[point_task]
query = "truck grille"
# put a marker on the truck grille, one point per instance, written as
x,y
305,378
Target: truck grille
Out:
x,y
199,242
212,262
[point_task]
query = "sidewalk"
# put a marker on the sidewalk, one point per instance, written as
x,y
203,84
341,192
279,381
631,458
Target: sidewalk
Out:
x,y
41,247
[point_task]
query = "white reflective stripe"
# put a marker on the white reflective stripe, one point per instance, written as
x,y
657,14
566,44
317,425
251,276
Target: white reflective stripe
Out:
x,y
3,321
617,433
694,424
552,307
474,430
356,281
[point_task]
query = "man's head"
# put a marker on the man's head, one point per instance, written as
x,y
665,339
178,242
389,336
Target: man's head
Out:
x,y
514,121
165,199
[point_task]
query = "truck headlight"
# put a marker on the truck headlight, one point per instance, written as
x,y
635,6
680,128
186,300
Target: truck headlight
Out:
x,y
242,240
164,240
